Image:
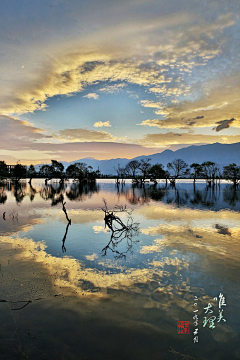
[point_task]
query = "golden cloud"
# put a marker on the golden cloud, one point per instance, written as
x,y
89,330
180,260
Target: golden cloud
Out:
x,y
171,138
84,135
82,65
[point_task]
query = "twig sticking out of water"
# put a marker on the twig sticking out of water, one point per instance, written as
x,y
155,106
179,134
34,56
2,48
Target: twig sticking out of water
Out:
x,y
65,211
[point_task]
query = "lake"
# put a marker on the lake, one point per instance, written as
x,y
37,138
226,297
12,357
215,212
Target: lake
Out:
x,y
118,288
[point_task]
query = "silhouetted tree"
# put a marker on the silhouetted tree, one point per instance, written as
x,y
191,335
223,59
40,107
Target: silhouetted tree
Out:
x,y
120,171
209,170
131,168
232,172
77,172
82,173
156,172
46,172
53,171
196,171
31,173
177,168
19,172
144,168
3,169
57,170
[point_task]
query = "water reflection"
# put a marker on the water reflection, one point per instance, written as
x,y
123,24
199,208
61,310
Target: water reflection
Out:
x,y
80,192
135,194
187,244
53,192
3,196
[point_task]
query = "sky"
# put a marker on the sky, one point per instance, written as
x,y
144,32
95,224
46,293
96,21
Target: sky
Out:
x,y
116,78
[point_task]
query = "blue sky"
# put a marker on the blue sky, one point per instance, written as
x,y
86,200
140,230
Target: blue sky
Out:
x,y
112,79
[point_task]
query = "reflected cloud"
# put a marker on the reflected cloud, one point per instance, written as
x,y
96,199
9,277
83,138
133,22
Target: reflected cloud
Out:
x,y
91,257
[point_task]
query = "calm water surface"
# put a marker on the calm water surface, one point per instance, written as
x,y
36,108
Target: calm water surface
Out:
x,y
99,294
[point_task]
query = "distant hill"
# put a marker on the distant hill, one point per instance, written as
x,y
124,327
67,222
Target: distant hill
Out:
x,y
221,154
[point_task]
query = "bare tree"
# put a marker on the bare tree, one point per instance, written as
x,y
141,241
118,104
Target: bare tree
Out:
x,y
132,168
120,171
177,168
196,171
209,169
232,172
144,167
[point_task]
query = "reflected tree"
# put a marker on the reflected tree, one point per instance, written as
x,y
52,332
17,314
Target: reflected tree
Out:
x,y
231,195
69,223
50,192
180,198
19,191
32,192
3,169
64,238
81,191
3,195
156,193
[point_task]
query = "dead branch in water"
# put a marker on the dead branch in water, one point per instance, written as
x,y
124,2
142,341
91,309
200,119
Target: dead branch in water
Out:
x,y
119,230
65,211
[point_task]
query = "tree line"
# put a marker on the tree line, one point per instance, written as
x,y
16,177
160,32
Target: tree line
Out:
x,y
142,170
139,171
79,172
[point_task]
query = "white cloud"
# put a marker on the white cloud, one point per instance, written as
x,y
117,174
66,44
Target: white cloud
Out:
x,y
92,96
101,124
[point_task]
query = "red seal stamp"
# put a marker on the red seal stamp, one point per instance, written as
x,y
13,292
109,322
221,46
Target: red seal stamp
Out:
x,y
183,327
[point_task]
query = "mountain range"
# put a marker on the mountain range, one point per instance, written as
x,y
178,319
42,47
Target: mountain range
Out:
x,y
221,154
